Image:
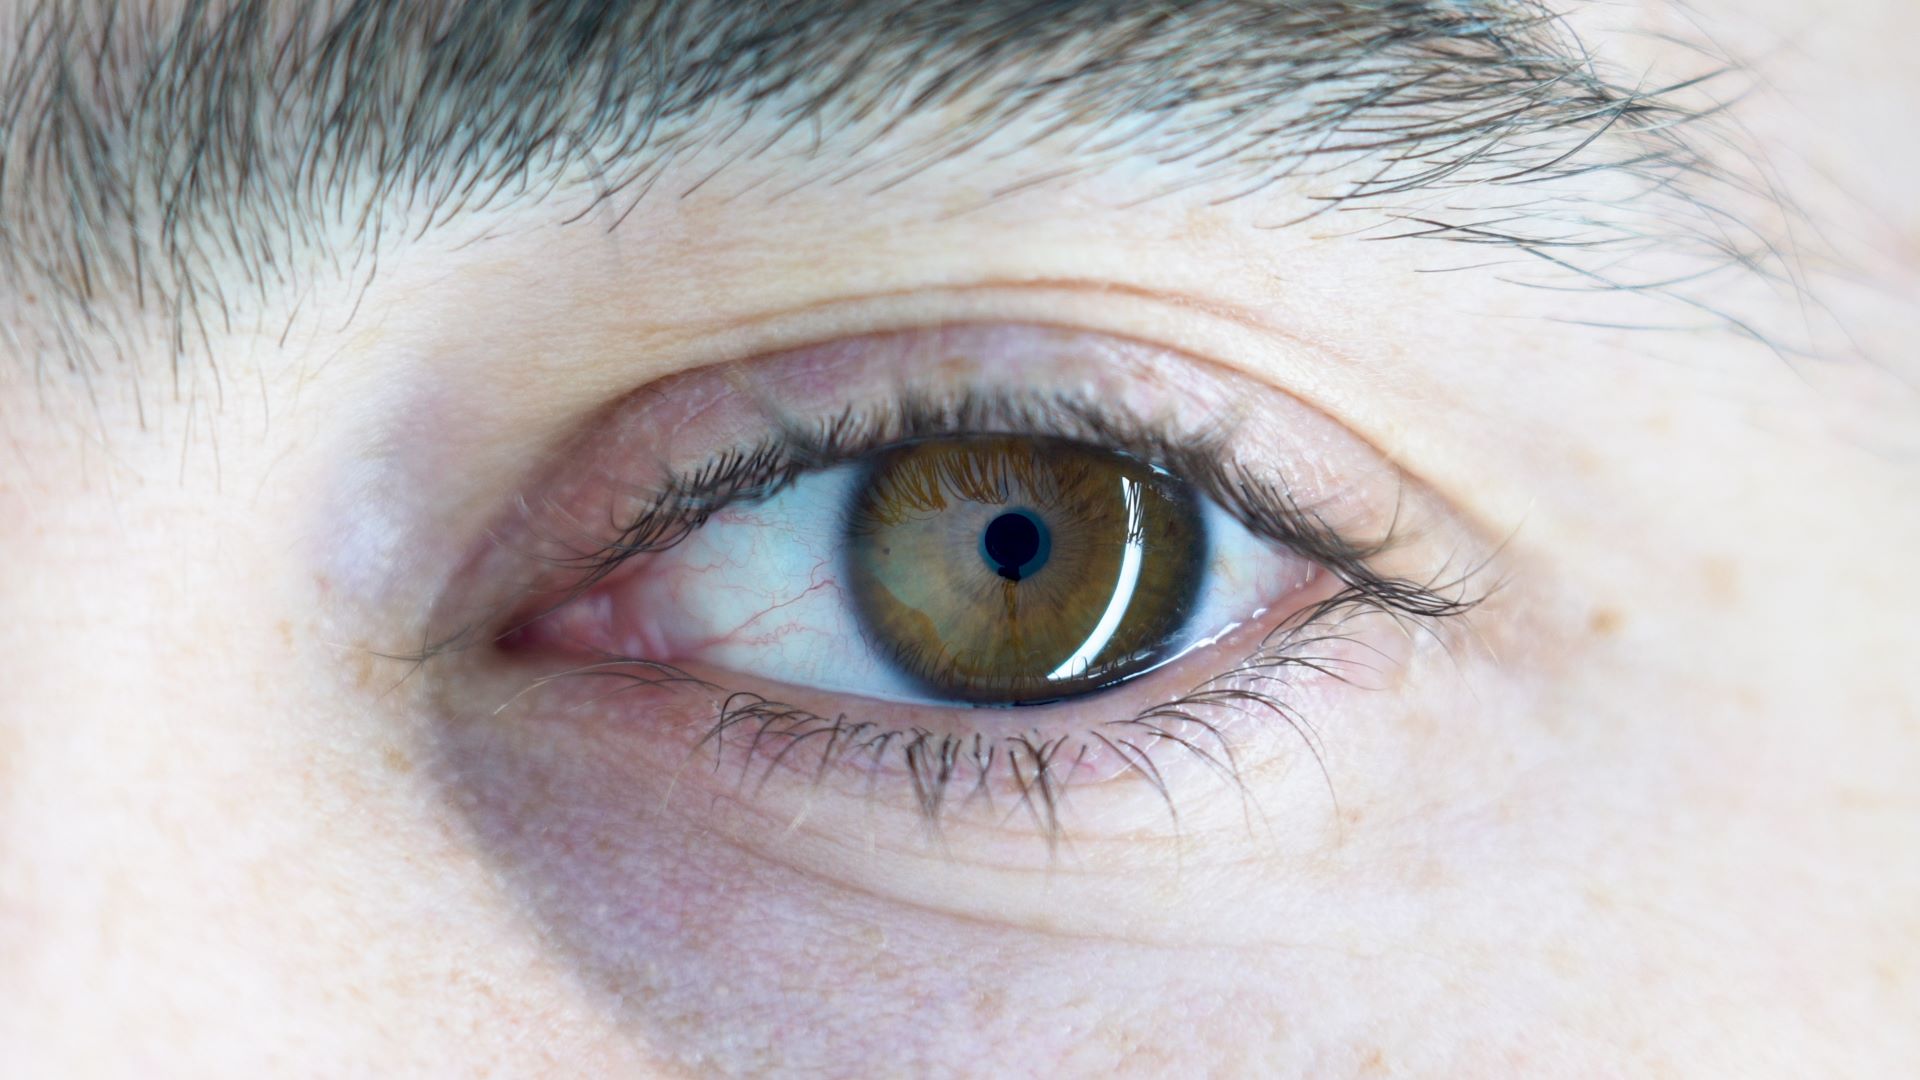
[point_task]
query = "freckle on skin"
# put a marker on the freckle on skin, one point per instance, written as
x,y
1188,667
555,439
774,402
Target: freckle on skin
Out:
x,y
1720,580
362,669
1430,874
1605,622
1587,463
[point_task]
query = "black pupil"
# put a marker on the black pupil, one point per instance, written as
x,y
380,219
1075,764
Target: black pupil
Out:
x,y
1011,542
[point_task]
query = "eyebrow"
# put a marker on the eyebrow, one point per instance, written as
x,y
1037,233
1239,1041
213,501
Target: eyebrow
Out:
x,y
172,164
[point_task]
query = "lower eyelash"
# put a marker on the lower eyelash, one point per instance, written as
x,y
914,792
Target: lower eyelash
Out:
x,y
952,773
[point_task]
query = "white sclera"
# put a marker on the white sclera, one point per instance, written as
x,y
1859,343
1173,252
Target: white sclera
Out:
x,y
759,590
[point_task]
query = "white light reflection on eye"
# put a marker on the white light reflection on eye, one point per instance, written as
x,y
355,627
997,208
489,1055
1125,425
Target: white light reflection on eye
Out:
x,y
1109,623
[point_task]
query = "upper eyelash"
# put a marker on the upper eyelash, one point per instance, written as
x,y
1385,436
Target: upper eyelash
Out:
x,y
684,502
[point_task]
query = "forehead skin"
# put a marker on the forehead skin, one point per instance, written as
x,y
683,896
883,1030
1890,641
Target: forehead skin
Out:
x,y
221,849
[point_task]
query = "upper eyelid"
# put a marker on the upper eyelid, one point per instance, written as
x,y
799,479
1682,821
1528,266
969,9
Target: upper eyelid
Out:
x,y
591,482
1264,506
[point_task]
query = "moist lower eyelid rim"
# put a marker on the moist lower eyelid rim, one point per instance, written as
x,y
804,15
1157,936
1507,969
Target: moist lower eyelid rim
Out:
x,y
755,737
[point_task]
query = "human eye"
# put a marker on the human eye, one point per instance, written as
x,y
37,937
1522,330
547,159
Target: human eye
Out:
x,y
943,570
962,572
950,558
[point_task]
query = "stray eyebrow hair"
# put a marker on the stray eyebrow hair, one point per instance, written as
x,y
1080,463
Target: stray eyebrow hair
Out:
x,y
170,164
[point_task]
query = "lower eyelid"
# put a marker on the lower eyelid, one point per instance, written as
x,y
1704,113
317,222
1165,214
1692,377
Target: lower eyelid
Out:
x,y
1150,748
758,737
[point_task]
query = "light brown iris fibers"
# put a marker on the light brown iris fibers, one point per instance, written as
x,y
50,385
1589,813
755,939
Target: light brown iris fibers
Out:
x,y
929,534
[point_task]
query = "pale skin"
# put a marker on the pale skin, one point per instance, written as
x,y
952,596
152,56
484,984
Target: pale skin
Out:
x,y
1650,811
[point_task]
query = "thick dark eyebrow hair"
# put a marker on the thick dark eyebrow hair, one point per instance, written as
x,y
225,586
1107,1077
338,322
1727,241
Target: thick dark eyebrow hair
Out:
x,y
167,164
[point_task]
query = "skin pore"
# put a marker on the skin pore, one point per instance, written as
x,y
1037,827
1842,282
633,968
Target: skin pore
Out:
x,y
1647,810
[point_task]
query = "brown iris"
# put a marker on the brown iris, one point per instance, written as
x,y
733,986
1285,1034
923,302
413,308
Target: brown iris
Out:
x,y
1009,570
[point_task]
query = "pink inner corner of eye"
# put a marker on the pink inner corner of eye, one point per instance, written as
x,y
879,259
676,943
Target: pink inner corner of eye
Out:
x,y
645,612
598,623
